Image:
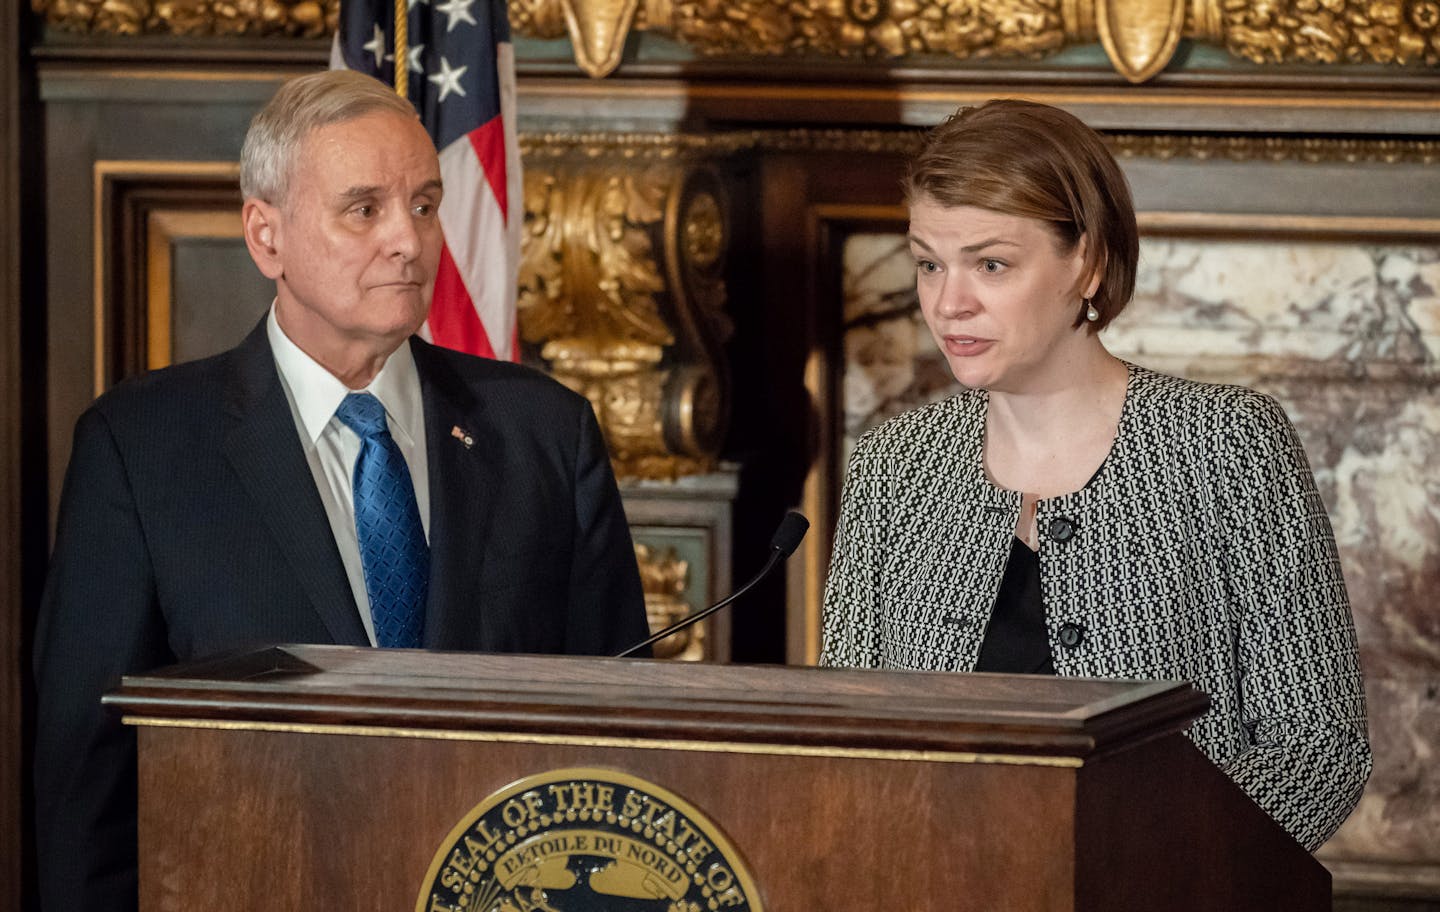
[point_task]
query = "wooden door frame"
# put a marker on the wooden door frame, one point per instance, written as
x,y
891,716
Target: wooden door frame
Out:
x,y
22,476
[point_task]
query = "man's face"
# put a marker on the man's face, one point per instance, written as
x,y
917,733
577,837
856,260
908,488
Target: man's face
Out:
x,y
357,240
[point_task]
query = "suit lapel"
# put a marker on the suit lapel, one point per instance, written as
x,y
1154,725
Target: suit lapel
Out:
x,y
264,449
462,481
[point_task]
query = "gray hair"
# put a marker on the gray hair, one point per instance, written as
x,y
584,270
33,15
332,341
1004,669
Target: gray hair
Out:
x,y
300,107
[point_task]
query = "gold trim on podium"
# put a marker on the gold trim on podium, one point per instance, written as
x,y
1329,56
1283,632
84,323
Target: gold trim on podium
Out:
x,y
716,747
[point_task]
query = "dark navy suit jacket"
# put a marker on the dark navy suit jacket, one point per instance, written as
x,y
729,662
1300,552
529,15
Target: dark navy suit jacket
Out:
x,y
190,525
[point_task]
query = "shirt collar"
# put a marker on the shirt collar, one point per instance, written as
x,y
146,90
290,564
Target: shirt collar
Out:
x,y
317,392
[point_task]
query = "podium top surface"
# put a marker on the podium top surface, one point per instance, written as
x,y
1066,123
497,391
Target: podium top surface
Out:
x,y
414,692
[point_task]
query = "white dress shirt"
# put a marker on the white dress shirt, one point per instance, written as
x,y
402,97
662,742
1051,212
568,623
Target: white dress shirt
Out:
x,y
331,447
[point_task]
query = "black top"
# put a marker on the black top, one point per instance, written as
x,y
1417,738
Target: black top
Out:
x,y
1016,640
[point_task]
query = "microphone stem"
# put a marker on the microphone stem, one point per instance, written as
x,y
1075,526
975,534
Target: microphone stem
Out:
x,y
775,557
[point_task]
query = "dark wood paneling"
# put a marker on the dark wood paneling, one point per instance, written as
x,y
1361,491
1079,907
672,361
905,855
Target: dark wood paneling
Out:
x,y
296,827
11,673
1221,822
22,479
808,203
98,115
127,203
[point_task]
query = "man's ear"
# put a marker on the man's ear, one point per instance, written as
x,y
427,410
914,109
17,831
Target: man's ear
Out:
x,y
261,224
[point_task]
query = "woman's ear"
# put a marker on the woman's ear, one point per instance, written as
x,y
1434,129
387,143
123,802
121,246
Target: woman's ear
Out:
x,y
1090,284
260,222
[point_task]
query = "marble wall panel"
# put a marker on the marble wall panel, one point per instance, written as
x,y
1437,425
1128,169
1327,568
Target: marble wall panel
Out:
x,y
1346,335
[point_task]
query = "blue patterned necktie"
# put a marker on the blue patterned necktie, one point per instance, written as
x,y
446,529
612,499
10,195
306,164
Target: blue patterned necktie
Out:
x,y
393,552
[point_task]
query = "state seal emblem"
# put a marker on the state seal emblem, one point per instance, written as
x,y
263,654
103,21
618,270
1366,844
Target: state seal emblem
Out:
x,y
586,840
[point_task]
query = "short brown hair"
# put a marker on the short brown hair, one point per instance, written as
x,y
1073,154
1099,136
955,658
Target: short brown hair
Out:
x,y
1031,160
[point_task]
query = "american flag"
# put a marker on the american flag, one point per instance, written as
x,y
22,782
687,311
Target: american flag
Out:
x,y
461,73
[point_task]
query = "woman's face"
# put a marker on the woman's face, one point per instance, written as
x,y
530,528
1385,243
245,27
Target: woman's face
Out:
x,y
1000,296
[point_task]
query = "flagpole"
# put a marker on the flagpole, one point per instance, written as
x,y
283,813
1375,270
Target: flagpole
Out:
x,y
402,55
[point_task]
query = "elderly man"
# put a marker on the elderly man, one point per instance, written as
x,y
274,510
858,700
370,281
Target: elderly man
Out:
x,y
332,480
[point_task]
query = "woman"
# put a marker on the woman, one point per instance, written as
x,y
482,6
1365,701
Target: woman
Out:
x,y
1069,513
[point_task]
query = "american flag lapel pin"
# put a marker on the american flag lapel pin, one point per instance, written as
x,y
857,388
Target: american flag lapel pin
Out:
x,y
462,436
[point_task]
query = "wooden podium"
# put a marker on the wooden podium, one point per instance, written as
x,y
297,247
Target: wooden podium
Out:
x,y
312,778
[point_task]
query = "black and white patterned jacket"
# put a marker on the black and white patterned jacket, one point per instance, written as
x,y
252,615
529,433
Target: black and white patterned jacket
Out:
x,y
1200,551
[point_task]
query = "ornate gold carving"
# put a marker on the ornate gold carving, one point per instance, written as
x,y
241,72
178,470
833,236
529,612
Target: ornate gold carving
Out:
x,y
541,147
585,232
620,286
294,18
1140,36
1251,148
696,238
1207,20
699,411
703,231
1333,31
1078,16
867,28
538,147
598,29
665,577
538,18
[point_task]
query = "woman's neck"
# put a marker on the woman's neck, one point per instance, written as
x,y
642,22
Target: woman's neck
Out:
x,y
1050,438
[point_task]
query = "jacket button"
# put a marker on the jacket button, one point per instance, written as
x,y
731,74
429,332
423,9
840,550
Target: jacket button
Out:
x,y
1071,635
1062,529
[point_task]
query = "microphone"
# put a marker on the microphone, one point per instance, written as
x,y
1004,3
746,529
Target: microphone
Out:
x,y
783,544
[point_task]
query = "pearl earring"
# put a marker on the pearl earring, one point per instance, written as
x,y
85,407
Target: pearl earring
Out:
x,y
1091,313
